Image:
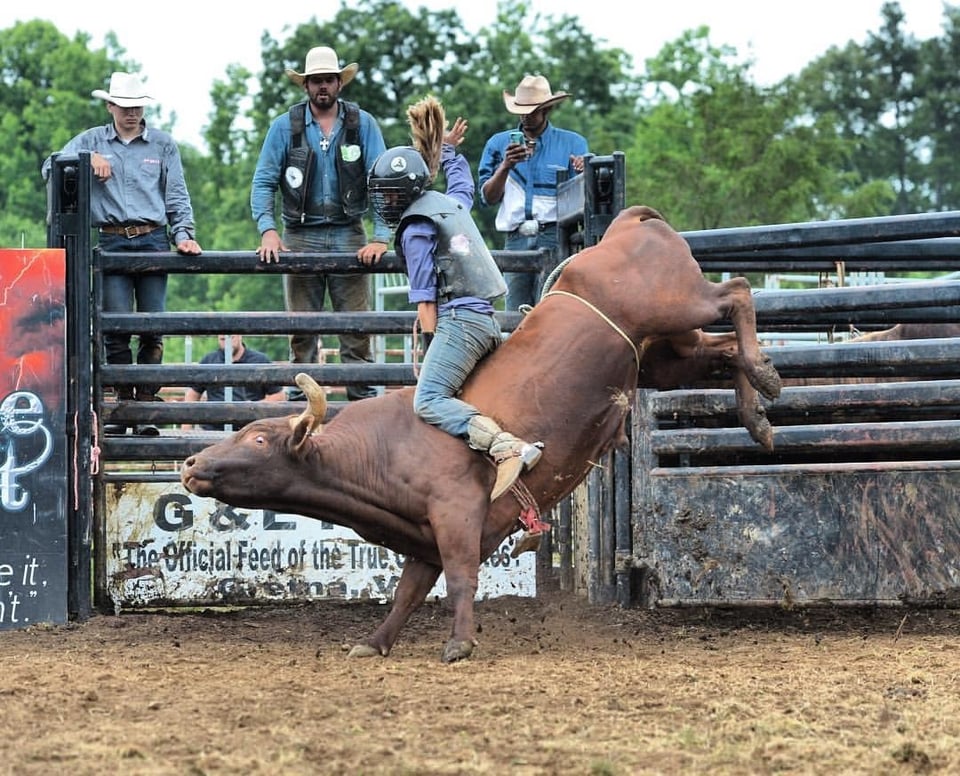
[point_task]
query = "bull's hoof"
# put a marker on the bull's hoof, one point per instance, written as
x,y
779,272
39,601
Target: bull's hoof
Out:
x,y
457,650
766,379
761,432
364,650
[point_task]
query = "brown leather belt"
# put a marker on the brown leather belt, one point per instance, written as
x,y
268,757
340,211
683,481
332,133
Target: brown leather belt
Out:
x,y
130,230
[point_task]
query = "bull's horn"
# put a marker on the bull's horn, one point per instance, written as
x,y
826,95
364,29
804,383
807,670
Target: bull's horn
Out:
x,y
315,395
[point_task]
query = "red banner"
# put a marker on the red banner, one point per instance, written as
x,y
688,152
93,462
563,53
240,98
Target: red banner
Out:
x,y
33,445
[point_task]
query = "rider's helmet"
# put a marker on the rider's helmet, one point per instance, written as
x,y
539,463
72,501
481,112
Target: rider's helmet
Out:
x,y
397,178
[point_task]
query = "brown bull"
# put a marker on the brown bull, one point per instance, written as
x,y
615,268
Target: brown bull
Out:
x,y
911,331
566,377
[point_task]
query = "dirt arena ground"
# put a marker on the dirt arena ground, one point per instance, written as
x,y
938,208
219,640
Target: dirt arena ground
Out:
x,y
556,686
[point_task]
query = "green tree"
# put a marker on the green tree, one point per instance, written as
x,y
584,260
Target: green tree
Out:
x,y
712,149
896,56
399,52
45,97
870,93
935,128
866,129
602,106
405,55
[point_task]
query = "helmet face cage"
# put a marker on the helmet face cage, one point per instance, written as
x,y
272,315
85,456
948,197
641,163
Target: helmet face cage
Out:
x,y
397,178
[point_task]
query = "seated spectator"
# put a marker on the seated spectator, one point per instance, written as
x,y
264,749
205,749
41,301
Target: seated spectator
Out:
x,y
239,354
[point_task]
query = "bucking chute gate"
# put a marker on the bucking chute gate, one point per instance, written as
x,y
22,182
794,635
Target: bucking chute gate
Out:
x,y
857,503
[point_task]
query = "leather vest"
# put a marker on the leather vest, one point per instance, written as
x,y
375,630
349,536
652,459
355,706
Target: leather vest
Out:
x,y
464,264
298,172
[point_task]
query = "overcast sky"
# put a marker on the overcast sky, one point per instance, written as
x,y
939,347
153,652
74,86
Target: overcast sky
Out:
x,y
184,46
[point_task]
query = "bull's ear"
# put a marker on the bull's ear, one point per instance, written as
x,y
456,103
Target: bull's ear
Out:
x,y
315,424
302,429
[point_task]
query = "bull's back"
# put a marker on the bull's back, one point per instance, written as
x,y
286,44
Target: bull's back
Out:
x,y
643,275
385,428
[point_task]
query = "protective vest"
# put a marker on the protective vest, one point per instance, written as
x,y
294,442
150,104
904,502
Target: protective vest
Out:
x,y
464,265
298,175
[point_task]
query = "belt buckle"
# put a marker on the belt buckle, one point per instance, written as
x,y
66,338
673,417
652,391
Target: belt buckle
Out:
x,y
131,231
529,228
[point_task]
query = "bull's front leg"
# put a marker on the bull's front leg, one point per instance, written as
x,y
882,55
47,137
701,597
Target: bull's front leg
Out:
x,y
416,581
461,580
756,365
751,412
458,526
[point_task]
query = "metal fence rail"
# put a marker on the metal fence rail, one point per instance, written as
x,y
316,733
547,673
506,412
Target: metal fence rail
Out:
x,y
665,519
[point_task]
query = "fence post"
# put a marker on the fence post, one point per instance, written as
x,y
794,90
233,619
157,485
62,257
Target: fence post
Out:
x,y
68,227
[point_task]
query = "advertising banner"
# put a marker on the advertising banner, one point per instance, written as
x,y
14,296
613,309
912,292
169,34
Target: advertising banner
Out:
x,y
33,445
166,546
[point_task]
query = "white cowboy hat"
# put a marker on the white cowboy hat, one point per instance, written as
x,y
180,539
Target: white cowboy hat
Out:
x,y
126,90
323,60
533,92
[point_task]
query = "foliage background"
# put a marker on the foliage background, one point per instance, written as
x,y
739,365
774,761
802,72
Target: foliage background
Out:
x,y
870,129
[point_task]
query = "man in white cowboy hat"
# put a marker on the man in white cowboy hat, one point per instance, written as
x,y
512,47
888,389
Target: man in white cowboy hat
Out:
x,y
317,156
139,202
518,172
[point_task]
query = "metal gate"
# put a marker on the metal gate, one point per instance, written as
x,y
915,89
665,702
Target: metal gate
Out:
x,y
691,513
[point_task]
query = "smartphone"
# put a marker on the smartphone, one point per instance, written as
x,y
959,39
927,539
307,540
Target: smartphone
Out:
x,y
517,137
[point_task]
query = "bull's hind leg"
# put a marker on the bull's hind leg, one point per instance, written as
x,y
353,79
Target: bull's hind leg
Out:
x,y
416,581
737,302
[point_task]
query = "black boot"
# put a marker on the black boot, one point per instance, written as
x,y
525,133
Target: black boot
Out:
x,y
147,429
119,429
149,353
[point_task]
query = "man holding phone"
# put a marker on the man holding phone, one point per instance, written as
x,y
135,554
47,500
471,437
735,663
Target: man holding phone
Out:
x,y
518,138
518,172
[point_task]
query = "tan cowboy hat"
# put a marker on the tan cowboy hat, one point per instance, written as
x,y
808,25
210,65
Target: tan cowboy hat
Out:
x,y
126,90
533,92
323,60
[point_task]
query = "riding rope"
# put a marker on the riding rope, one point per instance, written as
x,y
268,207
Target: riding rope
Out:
x,y
530,516
75,462
530,513
416,346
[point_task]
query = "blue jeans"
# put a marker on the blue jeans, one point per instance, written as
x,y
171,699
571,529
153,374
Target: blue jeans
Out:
x,y
348,293
462,338
525,287
146,293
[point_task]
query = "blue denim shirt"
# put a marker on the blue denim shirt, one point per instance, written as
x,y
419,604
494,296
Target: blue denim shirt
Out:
x,y
146,181
531,187
325,190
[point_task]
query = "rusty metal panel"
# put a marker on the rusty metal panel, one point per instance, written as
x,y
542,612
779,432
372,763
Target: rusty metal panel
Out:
x,y
165,546
834,533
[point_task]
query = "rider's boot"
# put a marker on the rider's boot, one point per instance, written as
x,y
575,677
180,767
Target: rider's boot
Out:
x,y
510,453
